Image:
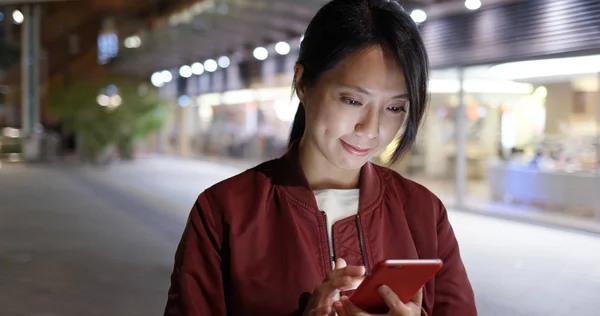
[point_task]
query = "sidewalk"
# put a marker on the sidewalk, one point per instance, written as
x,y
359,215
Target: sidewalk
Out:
x,y
178,181
71,247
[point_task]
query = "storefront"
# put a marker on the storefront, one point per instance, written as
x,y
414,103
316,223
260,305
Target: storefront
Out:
x,y
526,132
515,108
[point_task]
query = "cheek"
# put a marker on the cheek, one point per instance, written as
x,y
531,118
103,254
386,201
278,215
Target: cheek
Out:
x,y
334,120
390,127
339,121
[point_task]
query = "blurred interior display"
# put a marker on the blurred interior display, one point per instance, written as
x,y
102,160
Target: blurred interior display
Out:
x,y
251,124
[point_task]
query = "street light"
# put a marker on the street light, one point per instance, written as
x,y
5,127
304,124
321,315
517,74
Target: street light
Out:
x,y
133,42
18,17
115,102
103,100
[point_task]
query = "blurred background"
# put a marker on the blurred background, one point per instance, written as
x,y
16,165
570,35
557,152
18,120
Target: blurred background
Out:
x,y
116,114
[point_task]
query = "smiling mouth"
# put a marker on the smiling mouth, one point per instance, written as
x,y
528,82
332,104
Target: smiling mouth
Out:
x,y
354,150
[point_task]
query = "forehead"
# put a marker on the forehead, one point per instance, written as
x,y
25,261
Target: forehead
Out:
x,y
370,68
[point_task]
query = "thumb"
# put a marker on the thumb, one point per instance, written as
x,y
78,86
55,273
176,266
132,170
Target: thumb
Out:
x,y
340,263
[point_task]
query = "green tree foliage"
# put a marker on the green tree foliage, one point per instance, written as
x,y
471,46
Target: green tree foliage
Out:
x,y
99,128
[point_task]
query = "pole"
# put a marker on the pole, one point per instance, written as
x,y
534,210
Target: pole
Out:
x,y
461,142
30,81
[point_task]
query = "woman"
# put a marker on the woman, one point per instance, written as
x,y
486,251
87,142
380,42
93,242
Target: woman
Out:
x,y
288,235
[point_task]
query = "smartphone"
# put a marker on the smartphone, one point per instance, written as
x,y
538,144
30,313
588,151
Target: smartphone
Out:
x,y
404,277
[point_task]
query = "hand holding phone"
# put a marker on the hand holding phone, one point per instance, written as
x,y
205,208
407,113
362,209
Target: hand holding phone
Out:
x,y
342,278
393,283
396,307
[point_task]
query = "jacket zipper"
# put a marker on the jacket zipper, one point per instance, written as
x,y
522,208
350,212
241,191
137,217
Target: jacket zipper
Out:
x,y
329,243
361,241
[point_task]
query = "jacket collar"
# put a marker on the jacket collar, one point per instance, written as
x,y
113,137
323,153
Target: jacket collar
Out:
x,y
291,177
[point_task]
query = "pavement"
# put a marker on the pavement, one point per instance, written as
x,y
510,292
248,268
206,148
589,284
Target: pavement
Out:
x,y
100,241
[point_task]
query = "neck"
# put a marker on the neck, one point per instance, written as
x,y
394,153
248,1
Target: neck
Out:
x,y
320,173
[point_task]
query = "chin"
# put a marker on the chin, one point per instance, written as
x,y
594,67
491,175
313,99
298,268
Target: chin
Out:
x,y
351,162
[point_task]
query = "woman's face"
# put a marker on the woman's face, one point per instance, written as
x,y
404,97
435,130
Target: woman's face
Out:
x,y
355,109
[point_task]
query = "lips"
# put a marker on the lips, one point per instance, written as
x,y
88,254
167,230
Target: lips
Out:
x,y
353,150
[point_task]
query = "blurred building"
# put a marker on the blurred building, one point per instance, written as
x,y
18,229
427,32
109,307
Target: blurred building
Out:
x,y
46,45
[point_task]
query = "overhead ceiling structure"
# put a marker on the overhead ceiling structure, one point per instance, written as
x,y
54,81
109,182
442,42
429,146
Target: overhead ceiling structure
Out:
x,y
210,28
14,2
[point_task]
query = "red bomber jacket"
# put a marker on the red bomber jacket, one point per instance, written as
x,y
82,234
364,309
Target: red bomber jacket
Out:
x,y
256,244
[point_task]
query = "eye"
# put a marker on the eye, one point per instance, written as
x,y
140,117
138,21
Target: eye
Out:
x,y
351,102
397,108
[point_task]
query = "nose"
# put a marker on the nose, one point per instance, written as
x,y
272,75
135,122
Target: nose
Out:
x,y
368,125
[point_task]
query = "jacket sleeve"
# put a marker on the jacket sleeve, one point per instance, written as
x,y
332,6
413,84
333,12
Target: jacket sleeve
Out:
x,y
197,286
453,291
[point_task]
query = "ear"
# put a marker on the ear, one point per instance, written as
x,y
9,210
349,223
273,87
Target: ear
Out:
x,y
299,84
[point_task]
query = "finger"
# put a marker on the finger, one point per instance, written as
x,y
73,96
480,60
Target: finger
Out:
x,y
339,309
346,278
344,283
340,263
351,271
393,301
320,304
325,309
418,298
351,309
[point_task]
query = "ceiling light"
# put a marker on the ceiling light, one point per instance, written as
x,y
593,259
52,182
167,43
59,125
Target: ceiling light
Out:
x,y
543,68
260,53
282,48
185,71
166,76
197,69
419,16
210,65
473,4
156,79
224,62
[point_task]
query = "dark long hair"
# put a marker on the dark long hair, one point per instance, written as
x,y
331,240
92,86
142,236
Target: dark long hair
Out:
x,y
342,27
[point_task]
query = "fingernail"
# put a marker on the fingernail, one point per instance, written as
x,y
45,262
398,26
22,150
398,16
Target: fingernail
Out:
x,y
384,289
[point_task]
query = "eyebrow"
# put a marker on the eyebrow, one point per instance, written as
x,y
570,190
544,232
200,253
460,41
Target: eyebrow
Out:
x,y
362,90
